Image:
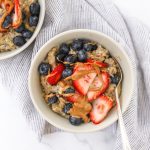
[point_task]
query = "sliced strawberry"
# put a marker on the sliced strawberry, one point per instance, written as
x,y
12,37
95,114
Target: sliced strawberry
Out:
x,y
82,84
102,84
17,17
82,66
74,97
98,63
101,106
55,75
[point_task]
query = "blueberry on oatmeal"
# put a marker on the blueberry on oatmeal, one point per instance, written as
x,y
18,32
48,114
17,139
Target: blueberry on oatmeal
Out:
x,y
44,68
52,100
67,107
77,44
7,22
115,79
35,9
33,21
84,78
70,58
67,72
82,56
27,34
19,41
64,48
60,57
75,120
94,46
90,46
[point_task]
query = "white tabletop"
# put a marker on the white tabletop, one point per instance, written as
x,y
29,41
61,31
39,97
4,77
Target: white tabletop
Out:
x,y
16,135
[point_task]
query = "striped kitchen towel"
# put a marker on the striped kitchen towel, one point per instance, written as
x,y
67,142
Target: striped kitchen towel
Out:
x,y
103,16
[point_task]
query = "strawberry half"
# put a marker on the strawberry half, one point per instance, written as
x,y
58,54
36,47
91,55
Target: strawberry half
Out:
x,y
74,97
98,63
55,75
82,84
17,17
102,84
101,106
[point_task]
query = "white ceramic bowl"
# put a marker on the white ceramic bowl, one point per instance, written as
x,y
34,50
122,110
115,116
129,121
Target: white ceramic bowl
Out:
x,y
115,50
8,54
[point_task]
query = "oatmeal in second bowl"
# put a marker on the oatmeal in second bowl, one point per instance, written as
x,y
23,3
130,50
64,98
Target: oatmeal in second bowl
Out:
x,y
20,22
73,77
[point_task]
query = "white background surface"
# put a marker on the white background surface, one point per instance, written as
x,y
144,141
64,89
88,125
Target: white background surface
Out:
x,y
16,135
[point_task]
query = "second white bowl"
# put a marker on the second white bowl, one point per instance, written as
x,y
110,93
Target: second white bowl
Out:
x,y
8,54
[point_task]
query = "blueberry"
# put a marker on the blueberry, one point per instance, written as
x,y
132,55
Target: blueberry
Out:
x,y
27,34
67,72
35,9
33,21
69,90
52,100
70,58
89,47
82,56
44,68
60,57
64,48
7,22
75,121
115,79
20,29
19,40
67,107
94,47
77,44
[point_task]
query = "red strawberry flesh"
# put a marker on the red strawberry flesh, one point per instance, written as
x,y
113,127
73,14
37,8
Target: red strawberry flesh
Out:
x,y
17,17
98,63
82,84
98,83
74,97
101,106
55,75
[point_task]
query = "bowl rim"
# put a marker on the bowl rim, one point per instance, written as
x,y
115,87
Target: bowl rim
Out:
x,y
115,118
29,42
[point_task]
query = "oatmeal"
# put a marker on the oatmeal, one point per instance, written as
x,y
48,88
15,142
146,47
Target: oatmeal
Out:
x,y
18,20
78,79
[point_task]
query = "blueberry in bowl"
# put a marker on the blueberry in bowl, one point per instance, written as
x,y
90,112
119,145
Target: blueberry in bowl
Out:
x,y
33,21
19,40
77,44
67,72
35,9
44,68
27,34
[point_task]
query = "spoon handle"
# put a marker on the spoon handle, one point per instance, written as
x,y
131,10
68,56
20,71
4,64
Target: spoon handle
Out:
x,y
125,140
